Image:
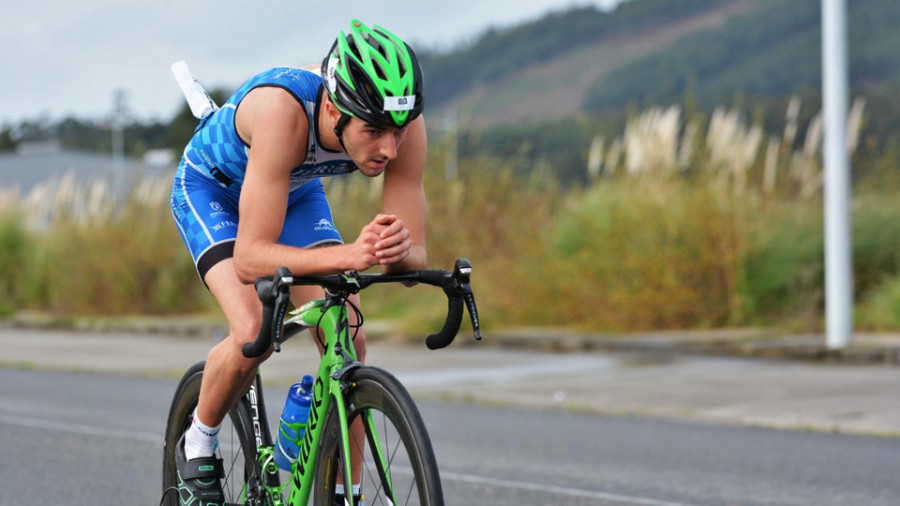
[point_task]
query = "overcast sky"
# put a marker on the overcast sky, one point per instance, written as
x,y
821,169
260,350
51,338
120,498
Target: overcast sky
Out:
x,y
64,57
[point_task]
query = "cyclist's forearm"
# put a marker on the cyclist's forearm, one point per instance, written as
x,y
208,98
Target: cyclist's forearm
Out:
x,y
252,262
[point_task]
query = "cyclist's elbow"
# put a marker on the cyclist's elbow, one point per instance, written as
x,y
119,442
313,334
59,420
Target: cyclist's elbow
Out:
x,y
243,266
244,275
415,261
418,258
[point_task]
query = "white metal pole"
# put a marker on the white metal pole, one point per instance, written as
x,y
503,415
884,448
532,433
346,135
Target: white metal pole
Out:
x,y
118,145
838,251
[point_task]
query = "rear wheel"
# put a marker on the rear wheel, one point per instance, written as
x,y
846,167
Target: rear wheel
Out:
x,y
399,467
237,445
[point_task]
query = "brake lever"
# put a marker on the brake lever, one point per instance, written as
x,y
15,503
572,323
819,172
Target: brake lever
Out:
x,y
282,288
462,273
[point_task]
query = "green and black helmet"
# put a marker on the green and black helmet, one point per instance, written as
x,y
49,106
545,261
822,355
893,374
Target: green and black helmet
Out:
x,y
373,75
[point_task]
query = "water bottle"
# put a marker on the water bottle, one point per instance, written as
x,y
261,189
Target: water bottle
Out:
x,y
293,422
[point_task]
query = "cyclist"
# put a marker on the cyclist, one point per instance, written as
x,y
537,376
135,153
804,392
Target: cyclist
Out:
x,y
247,199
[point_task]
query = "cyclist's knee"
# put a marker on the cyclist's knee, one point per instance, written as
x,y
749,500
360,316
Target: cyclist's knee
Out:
x,y
243,333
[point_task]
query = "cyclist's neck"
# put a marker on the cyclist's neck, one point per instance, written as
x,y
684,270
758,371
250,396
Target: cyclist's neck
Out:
x,y
325,123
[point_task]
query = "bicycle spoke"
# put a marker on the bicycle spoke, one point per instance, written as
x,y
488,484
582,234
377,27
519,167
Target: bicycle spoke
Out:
x,y
367,467
387,468
231,465
412,486
376,481
386,448
398,470
383,467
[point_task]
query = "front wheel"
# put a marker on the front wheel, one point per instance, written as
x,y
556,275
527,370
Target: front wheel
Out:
x,y
399,467
237,445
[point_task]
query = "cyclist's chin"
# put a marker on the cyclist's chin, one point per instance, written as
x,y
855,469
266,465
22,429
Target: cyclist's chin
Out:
x,y
372,168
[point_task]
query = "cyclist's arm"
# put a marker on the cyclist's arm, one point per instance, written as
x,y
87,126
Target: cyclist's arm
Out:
x,y
275,126
404,196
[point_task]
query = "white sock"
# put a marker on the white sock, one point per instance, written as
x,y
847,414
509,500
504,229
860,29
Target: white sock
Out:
x,y
200,440
339,489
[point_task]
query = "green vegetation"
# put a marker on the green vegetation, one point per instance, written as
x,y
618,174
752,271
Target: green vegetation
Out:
x,y
14,250
694,223
693,216
785,267
81,256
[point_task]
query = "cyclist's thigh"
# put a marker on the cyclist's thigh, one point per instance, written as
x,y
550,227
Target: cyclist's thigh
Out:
x,y
206,214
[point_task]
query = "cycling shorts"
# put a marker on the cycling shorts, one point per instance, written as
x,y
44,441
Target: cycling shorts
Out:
x,y
206,212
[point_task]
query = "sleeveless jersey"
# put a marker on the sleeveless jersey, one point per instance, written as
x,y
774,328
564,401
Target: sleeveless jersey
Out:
x,y
217,150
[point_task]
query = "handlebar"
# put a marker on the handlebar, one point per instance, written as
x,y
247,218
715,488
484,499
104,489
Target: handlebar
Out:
x,y
274,292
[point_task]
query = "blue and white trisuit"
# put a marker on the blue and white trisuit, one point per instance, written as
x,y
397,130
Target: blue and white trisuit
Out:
x,y
208,182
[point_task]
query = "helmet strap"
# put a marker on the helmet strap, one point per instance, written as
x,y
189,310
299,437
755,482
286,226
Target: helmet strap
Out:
x,y
339,128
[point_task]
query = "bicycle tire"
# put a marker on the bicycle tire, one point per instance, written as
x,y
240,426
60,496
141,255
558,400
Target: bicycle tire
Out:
x,y
412,470
237,444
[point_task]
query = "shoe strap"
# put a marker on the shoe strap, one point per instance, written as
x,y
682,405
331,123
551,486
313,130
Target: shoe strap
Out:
x,y
203,468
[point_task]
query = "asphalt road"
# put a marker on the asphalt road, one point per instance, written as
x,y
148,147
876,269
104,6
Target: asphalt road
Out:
x,y
853,399
86,439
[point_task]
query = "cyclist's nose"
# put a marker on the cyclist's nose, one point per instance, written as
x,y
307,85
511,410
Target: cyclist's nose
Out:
x,y
389,148
389,145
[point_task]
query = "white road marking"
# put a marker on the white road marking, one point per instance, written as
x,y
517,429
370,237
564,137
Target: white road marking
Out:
x,y
74,428
447,476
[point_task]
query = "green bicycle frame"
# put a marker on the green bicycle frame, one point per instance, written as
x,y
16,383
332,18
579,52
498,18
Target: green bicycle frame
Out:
x,y
339,356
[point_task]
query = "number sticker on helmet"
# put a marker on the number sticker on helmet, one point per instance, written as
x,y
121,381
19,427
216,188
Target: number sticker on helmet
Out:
x,y
406,103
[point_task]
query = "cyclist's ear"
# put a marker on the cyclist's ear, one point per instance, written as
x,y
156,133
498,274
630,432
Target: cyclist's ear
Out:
x,y
330,109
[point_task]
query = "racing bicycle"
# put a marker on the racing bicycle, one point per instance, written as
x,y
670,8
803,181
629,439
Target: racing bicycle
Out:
x,y
400,466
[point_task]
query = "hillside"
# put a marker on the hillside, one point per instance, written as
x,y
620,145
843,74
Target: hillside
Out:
x,y
654,51
556,87
772,52
500,53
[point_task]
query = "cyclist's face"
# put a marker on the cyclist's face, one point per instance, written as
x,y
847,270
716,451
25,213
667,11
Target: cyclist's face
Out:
x,y
371,147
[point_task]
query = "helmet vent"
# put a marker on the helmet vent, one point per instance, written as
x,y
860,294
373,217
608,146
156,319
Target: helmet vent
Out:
x,y
351,43
380,72
375,43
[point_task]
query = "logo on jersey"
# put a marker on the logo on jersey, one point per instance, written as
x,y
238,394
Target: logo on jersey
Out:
x,y
217,210
223,224
324,224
